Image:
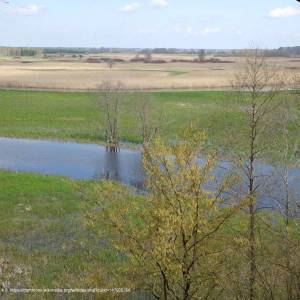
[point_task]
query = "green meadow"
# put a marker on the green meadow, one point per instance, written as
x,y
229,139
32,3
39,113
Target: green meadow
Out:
x,y
80,117
45,235
49,241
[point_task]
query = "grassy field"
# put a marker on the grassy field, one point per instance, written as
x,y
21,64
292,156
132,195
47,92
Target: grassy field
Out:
x,y
78,116
48,243
45,237
69,73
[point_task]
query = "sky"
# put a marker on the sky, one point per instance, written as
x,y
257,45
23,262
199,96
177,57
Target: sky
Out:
x,y
206,24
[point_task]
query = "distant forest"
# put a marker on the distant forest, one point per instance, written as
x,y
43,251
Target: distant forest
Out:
x,y
35,51
282,51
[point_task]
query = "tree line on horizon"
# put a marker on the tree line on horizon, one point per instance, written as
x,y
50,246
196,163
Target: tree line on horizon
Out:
x,y
38,51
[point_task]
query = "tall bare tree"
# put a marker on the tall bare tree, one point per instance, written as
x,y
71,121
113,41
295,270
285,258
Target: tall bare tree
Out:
x,y
149,127
111,96
256,85
287,148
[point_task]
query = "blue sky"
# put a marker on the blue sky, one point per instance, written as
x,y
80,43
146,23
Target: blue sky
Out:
x,y
150,23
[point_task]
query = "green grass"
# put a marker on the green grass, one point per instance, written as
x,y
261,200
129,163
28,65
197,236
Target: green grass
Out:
x,y
177,72
43,232
78,116
170,72
46,238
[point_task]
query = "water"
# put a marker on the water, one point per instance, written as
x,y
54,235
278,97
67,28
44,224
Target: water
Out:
x,y
73,160
88,161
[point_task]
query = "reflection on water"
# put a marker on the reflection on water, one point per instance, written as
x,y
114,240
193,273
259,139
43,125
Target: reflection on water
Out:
x,y
84,161
77,161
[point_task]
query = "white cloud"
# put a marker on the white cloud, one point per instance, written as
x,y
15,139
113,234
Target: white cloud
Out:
x,y
159,3
284,12
28,10
130,7
208,30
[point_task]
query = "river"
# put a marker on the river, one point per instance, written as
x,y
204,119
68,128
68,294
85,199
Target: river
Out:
x,y
90,161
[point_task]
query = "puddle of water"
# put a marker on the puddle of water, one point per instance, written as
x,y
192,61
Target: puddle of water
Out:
x,y
88,161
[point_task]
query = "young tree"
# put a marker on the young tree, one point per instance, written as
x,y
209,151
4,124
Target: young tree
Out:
x,y
111,96
170,235
287,147
287,232
256,85
149,127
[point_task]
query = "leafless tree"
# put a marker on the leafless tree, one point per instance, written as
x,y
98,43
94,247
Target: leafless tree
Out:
x,y
111,96
256,84
149,126
148,55
287,147
110,63
201,55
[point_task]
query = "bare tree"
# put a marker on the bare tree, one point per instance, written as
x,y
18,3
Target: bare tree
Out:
x,y
256,85
149,127
286,142
110,63
111,97
287,147
201,55
148,55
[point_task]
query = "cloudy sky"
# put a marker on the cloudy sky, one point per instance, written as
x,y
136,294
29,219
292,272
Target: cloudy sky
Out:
x,y
150,23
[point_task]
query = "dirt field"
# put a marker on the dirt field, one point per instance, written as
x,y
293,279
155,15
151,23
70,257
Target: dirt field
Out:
x,y
72,73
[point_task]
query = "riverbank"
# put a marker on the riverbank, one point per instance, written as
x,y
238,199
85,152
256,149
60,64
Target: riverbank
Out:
x,y
79,117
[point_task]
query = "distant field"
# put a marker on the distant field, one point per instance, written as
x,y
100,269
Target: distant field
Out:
x,y
78,115
77,74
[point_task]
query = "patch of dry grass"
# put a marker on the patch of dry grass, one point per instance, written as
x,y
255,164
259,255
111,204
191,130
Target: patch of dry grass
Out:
x,y
79,75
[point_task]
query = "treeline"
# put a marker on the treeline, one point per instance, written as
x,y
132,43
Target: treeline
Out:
x,y
16,51
282,51
289,51
25,51
58,50
83,50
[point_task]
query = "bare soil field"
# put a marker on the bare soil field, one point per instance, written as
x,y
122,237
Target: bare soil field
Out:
x,y
69,73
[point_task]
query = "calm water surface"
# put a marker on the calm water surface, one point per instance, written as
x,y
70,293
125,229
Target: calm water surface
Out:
x,y
88,161
77,161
